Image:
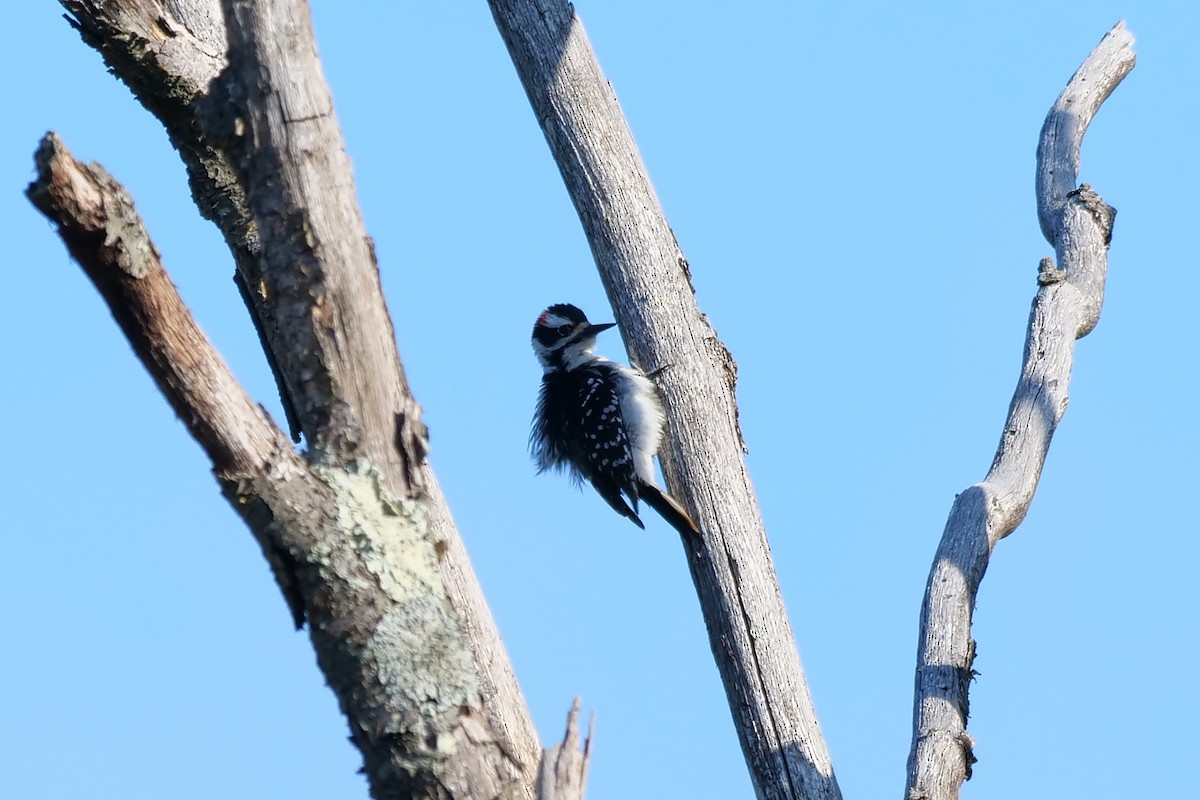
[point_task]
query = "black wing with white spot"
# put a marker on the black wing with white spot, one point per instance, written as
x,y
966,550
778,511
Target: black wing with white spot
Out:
x,y
591,440
608,453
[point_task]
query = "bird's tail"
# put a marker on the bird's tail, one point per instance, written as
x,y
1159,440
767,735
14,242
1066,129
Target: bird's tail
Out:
x,y
668,509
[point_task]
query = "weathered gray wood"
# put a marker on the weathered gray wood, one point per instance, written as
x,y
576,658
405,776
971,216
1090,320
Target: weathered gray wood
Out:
x,y
563,772
353,559
1067,307
648,283
169,56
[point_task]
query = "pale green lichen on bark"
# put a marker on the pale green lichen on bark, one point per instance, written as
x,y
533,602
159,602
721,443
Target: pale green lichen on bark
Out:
x,y
390,534
419,650
124,226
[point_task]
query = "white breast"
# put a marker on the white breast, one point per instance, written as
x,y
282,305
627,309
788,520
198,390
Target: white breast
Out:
x,y
643,415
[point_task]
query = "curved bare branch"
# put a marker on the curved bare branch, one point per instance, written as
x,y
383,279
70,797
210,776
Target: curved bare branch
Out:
x,y
1067,306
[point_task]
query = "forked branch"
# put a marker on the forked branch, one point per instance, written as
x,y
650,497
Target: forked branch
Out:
x,y
350,557
171,56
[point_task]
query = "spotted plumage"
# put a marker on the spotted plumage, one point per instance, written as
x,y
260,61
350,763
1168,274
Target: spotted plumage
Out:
x,y
598,420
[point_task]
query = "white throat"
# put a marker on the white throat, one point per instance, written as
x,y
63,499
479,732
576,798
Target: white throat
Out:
x,y
579,353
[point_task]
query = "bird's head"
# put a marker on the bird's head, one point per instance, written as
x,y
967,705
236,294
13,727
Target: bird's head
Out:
x,y
563,338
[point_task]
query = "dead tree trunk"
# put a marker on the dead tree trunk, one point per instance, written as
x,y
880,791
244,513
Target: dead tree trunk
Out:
x,y
1067,307
170,55
353,559
649,284
355,529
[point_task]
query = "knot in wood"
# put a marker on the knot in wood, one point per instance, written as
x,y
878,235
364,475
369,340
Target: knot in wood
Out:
x,y
1049,274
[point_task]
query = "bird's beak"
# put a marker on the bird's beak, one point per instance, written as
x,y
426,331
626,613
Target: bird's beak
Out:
x,y
591,330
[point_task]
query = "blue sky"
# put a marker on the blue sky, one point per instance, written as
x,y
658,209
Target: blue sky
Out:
x,y
853,186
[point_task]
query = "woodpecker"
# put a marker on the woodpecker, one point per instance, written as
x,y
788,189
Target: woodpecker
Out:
x,y
599,420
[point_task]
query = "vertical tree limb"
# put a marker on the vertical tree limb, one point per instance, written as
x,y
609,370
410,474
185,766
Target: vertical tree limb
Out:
x,y
169,54
648,282
316,276
1067,307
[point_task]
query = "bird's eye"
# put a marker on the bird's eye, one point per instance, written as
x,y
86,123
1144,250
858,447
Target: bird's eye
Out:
x,y
563,330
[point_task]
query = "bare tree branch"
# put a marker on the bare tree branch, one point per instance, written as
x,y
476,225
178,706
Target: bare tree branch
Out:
x,y
352,559
648,283
317,276
170,53
97,221
1067,306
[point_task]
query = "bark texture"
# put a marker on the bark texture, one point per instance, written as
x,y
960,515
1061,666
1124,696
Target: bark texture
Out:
x,y
1067,307
314,321
648,282
352,559
563,772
